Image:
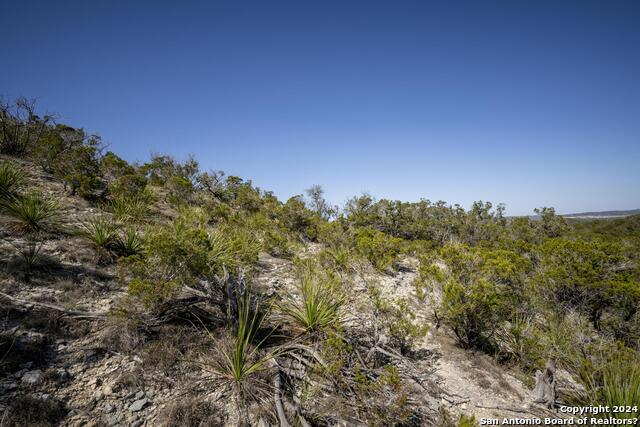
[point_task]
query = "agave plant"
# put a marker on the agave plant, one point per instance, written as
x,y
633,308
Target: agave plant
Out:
x,y
31,213
11,177
101,230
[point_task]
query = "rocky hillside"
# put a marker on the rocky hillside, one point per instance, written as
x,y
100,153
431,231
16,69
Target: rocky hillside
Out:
x,y
71,358
158,294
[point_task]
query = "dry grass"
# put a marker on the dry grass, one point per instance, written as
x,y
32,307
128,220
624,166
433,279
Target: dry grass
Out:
x,y
29,411
16,350
170,346
122,335
191,412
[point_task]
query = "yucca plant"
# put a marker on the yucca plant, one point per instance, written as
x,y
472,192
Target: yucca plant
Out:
x,y
32,212
129,242
621,385
30,254
130,208
317,306
101,230
240,360
610,376
11,178
338,257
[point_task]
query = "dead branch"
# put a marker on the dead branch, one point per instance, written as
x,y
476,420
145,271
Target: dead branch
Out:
x,y
69,313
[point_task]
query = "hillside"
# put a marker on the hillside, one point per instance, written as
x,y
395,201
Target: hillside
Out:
x,y
603,214
79,363
157,294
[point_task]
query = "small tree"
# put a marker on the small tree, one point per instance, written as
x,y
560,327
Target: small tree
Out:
x,y
317,202
550,224
20,127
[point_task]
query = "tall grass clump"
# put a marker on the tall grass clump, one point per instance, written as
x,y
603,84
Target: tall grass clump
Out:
x,y
31,213
317,305
11,179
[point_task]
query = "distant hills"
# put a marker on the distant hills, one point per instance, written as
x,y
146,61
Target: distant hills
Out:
x,y
603,214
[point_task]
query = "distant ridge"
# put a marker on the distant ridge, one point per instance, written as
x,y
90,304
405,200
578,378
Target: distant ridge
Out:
x,y
603,214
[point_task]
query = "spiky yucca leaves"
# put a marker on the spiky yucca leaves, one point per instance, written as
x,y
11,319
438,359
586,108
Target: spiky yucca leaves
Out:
x,y
240,363
131,208
621,385
613,380
101,230
31,213
129,242
11,178
318,303
30,254
336,257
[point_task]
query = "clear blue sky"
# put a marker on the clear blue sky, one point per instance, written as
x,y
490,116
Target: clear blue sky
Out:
x,y
528,103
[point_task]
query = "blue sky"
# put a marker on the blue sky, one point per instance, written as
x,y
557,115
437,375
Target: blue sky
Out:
x,y
529,103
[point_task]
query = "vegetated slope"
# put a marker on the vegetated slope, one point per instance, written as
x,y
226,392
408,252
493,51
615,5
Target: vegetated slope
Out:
x,y
81,371
156,294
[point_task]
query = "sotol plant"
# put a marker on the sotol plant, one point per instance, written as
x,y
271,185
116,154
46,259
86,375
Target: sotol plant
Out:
x,y
129,242
11,178
240,360
32,212
101,230
30,254
317,305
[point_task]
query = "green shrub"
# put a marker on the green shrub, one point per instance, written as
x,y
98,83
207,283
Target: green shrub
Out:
x,y
386,397
481,289
11,179
378,248
297,218
187,252
429,273
473,311
32,212
73,156
337,258
397,320
233,247
550,224
152,292
335,233
591,277
277,244
447,419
